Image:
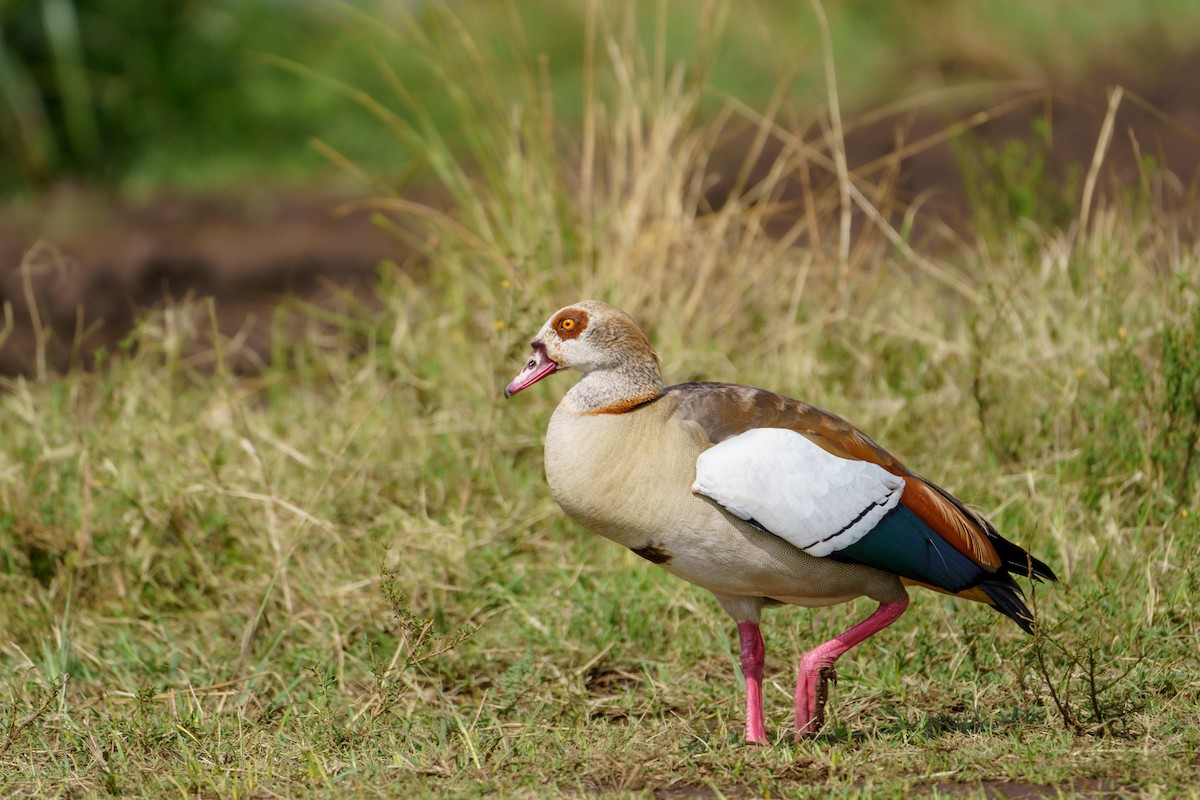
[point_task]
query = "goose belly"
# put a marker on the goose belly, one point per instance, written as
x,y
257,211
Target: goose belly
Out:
x,y
629,480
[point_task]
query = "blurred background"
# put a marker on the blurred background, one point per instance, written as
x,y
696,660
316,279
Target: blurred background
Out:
x,y
157,150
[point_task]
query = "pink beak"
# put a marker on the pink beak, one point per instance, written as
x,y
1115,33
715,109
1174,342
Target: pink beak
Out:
x,y
539,366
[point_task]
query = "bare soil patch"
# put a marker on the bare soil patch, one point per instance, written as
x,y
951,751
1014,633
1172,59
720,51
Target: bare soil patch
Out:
x,y
93,263
1157,120
1020,790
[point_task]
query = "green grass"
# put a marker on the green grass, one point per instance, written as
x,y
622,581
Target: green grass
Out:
x,y
345,576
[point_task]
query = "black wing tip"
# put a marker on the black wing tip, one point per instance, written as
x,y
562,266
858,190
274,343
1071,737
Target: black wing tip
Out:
x,y
1038,570
1003,589
1018,561
1009,600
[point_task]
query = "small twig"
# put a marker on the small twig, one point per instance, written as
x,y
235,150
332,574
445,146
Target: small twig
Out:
x,y
1042,669
1044,672
14,732
1093,695
981,401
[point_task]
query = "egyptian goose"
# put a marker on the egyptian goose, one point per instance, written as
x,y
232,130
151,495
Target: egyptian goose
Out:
x,y
756,497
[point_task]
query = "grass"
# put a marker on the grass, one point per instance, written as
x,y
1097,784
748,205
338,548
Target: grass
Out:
x,y
344,576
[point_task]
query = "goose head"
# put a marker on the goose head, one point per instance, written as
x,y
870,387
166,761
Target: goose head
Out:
x,y
591,337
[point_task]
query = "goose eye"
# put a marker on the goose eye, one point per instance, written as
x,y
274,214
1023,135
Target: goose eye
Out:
x,y
567,324
532,363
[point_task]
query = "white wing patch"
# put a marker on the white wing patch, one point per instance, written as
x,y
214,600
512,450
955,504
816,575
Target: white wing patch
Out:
x,y
817,501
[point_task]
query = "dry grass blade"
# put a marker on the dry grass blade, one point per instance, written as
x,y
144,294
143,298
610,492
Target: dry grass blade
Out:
x,y
1093,174
836,136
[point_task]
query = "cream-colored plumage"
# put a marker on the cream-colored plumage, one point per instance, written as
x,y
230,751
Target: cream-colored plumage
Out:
x,y
621,459
627,477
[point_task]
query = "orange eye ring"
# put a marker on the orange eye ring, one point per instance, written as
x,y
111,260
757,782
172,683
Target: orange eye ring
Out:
x,y
567,324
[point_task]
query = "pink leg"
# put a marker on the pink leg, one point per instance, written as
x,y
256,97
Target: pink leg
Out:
x,y
817,666
753,654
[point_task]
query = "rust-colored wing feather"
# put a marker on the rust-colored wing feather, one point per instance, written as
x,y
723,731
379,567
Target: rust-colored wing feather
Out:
x,y
723,410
